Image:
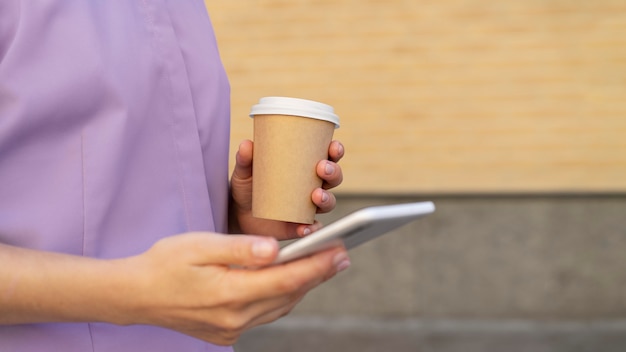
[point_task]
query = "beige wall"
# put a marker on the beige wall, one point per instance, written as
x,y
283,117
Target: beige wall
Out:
x,y
445,96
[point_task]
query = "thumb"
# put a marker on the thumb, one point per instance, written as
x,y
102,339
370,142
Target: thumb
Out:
x,y
241,250
243,160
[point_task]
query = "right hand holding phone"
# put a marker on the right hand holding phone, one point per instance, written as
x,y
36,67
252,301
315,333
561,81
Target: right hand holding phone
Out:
x,y
194,283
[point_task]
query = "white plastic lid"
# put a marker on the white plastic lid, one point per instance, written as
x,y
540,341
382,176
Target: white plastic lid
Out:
x,y
296,107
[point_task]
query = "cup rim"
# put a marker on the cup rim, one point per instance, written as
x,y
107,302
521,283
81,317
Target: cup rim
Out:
x,y
275,105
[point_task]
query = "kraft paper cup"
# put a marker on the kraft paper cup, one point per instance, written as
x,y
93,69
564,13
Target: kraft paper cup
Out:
x,y
291,136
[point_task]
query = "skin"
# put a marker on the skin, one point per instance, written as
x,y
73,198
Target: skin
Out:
x,y
241,195
195,283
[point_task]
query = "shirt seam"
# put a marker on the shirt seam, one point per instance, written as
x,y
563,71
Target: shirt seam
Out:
x,y
84,211
193,102
159,54
84,216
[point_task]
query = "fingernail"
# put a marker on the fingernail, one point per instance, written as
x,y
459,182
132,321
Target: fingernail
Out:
x,y
340,149
325,197
262,249
329,168
306,232
341,261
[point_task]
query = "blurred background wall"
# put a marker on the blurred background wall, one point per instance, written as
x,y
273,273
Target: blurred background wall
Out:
x,y
510,115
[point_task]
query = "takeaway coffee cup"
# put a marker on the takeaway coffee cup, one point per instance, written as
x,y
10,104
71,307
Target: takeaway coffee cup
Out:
x,y
291,136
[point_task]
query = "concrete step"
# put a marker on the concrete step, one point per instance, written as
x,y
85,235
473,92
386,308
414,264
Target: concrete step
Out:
x,y
352,334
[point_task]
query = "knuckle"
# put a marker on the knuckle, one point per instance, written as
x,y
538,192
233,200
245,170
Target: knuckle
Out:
x,y
290,285
230,297
339,174
233,325
225,299
240,251
228,339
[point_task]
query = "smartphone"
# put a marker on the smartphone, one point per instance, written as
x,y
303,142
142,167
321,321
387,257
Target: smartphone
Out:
x,y
356,228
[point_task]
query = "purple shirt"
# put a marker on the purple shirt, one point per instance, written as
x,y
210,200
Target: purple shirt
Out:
x,y
114,127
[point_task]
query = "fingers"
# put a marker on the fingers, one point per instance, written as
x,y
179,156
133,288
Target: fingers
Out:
x,y
324,200
330,172
243,160
305,230
281,311
259,313
289,279
216,302
242,250
335,151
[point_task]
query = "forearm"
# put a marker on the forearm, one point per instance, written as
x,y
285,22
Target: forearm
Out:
x,y
189,283
40,286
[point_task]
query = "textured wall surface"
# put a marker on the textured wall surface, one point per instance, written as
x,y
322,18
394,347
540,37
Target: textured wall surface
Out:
x,y
488,257
467,98
445,96
483,274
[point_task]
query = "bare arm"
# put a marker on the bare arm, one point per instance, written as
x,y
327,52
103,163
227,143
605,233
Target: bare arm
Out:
x,y
186,283
40,286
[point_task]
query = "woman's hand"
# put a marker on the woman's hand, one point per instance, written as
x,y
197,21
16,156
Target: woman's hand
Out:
x,y
240,212
188,283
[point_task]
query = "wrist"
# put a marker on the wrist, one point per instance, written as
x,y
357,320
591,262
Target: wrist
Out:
x,y
122,293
